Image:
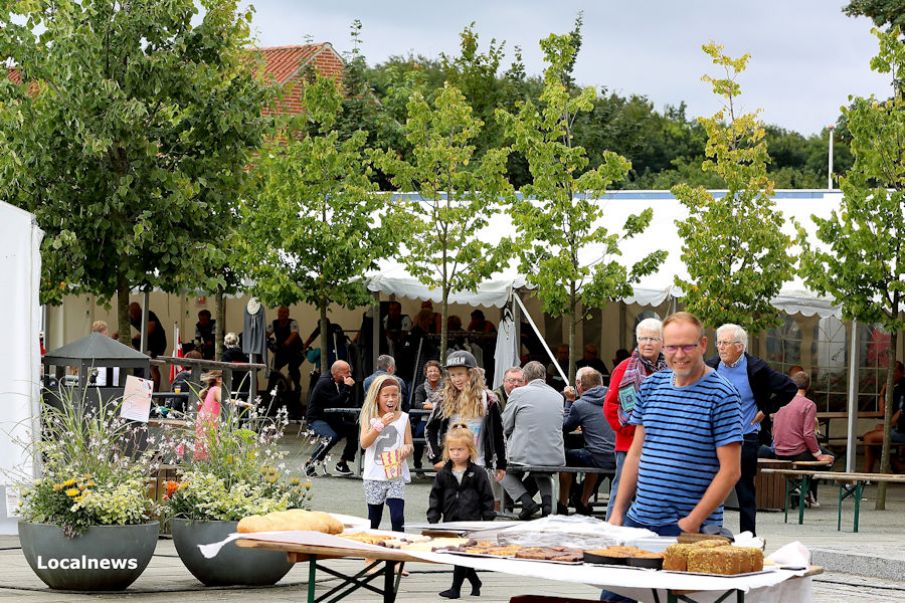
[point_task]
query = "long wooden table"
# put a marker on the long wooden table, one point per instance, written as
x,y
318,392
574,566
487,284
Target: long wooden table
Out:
x,y
851,485
390,559
674,586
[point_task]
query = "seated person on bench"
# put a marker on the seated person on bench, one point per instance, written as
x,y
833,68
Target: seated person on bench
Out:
x,y
794,434
587,413
873,439
532,425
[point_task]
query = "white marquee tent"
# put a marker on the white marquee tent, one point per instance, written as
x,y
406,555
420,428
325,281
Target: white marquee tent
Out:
x,y
20,357
799,205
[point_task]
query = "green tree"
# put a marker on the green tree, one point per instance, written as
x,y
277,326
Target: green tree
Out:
x,y
558,219
733,246
459,196
310,226
882,12
127,138
861,263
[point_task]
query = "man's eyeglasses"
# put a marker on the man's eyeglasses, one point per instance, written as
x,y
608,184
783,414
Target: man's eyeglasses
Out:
x,y
648,339
723,344
512,380
687,348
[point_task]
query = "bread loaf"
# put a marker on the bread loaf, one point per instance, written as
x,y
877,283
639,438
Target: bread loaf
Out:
x,y
293,519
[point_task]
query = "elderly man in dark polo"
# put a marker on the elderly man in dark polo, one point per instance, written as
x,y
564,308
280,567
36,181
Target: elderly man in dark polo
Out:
x,y
512,379
763,391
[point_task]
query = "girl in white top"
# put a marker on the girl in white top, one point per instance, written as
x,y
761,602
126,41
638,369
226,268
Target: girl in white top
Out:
x,y
386,436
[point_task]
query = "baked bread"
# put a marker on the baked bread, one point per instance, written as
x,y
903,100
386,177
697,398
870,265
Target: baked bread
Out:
x,y
720,560
291,520
675,557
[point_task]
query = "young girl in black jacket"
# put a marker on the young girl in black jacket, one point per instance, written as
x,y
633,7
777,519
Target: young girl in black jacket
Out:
x,y
461,492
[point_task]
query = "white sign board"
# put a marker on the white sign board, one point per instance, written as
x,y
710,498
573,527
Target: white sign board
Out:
x,y
137,399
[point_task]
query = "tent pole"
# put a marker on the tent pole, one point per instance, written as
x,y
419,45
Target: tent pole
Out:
x,y
851,451
542,341
517,327
375,331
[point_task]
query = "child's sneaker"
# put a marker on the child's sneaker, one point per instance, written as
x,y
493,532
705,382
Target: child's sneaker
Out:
x,y
343,469
311,469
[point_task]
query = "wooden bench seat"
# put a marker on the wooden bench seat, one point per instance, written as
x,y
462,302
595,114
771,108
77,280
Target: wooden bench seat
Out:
x,y
851,484
549,473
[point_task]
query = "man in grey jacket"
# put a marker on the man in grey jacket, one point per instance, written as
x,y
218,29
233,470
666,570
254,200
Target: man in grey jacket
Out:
x,y
532,424
587,413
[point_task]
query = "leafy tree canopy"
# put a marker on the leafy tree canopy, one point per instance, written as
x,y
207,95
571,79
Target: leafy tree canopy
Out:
x,y
127,138
736,254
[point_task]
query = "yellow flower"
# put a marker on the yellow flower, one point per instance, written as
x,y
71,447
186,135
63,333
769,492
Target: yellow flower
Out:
x,y
295,481
307,485
70,482
72,492
58,487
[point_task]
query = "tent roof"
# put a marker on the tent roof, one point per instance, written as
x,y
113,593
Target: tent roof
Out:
x,y
798,205
100,350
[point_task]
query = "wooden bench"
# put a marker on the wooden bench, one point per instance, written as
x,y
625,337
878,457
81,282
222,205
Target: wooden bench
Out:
x,y
550,472
850,485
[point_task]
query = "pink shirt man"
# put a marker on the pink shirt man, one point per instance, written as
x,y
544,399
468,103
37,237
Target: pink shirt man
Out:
x,y
794,428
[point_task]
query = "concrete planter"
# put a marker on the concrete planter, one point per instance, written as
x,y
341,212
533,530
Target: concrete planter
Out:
x,y
103,558
232,565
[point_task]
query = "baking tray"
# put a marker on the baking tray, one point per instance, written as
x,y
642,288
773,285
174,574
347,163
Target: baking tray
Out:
x,y
463,554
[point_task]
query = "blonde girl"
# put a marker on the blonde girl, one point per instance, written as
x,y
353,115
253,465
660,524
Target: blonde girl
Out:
x,y
465,400
461,492
386,436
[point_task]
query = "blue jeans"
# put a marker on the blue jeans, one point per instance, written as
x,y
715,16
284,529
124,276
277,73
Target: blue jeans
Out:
x,y
334,433
614,487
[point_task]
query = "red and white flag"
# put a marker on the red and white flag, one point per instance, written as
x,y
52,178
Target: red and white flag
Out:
x,y
177,352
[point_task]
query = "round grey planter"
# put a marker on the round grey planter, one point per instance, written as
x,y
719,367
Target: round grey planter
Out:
x,y
103,558
232,565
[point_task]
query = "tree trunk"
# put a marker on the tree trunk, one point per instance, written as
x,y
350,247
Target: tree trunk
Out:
x,y
444,328
325,339
887,416
122,310
220,324
573,323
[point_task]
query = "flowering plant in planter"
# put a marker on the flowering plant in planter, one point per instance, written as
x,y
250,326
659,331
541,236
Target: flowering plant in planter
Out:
x,y
241,471
93,469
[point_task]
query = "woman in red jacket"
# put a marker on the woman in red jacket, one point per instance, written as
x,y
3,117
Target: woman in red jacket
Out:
x,y
625,382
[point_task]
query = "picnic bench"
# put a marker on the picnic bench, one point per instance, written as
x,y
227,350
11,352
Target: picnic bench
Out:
x,y
549,473
851,484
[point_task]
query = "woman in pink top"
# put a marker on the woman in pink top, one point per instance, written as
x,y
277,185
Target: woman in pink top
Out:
x,y
208,418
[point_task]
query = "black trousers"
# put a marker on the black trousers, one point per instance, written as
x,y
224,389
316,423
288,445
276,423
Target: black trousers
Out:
x,y
744,488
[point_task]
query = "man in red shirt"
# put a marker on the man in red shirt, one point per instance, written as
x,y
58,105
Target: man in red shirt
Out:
x,y
794,432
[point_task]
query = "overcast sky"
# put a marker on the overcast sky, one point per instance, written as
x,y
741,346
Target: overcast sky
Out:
x,y
806,56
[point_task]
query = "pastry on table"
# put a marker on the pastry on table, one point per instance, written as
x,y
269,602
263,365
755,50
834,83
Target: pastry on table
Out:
x,y
291,520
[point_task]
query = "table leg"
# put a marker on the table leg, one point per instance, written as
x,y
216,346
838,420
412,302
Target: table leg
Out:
x,y
788,499
839,507
859,485
312,574
803,486
389,577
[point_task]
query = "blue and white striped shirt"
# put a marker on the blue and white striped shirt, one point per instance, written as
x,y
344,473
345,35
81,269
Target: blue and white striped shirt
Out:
x,y
683,427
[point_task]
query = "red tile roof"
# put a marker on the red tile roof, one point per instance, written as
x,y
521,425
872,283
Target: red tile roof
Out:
x,y
284,65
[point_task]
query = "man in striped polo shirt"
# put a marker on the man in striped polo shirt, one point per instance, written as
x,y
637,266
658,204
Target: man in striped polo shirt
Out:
x,y
686,455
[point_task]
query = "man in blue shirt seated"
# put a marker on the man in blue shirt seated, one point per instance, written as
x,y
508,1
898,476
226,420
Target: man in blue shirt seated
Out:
x,y
686,455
